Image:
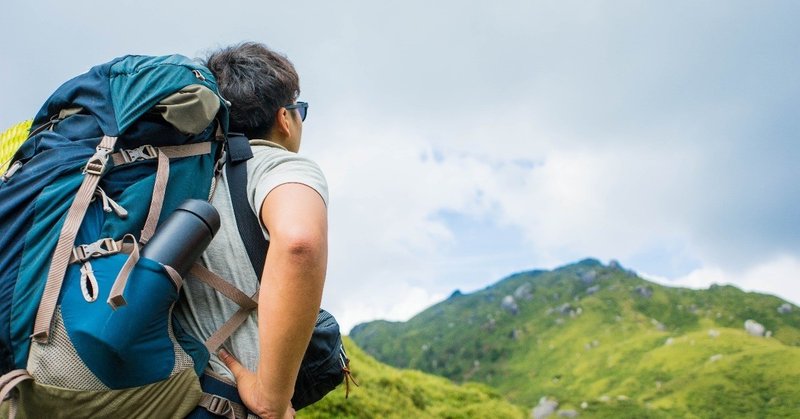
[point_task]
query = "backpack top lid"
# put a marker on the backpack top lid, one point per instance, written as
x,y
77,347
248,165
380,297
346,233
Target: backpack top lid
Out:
x,y
122,90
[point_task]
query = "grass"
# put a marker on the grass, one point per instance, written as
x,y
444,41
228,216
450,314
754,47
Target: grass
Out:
x,y
387,392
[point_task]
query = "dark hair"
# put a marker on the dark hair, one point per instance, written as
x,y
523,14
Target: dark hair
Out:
x,y
257,81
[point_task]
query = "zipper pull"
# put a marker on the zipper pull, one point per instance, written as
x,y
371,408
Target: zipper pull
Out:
x,y
121,212
11,170
110,205
88,282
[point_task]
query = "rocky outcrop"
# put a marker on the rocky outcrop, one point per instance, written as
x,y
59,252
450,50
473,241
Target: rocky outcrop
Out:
x,y
754,328
644,291
565,309
544,409
589,276
524,292
510,305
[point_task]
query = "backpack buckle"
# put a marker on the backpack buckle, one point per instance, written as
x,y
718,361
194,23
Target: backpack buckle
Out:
x,y
102,247
220,406
145,152
97,163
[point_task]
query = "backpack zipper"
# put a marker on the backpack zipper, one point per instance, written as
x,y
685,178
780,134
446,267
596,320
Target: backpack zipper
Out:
x,y
11,170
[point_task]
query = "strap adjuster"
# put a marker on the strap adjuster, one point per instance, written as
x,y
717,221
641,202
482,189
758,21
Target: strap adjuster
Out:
x,y
97,163
219,406
145,152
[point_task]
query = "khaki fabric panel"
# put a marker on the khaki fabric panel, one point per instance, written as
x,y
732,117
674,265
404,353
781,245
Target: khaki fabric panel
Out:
x,y
175,397
191,109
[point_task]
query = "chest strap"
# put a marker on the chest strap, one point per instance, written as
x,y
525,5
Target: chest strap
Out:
x,y
147,152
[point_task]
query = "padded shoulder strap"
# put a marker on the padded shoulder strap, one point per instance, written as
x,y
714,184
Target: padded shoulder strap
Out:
x,y
246,220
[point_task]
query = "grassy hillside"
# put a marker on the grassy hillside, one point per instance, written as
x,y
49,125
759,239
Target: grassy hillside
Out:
x,y
606,343
387,392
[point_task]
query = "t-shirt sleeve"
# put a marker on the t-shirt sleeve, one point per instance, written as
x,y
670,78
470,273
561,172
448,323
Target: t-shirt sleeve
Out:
x,y
270,168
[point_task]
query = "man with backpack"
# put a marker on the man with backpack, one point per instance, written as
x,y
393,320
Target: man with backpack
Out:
x,y
103,212
289,195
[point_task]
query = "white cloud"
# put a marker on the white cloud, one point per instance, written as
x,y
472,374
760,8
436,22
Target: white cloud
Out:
x,y
778,276
569,201
385,300
641,133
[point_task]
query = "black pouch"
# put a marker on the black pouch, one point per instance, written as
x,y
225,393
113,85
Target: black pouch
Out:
x,y
324,365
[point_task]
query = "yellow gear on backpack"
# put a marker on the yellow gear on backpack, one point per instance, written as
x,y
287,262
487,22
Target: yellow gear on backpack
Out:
x,y
10,141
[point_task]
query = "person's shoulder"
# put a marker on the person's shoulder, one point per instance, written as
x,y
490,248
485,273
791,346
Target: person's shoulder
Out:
x,y
272,166
274,158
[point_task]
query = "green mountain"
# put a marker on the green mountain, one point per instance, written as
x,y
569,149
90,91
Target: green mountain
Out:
x,y
387,392
602,342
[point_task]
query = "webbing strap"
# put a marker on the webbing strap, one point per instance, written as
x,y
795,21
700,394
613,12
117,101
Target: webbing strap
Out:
x,y
11,385
115,298
246,304
61,255
174,276
12,409
9,382
157,200
223,333
247,221
221,406
215,281
8,378
173,152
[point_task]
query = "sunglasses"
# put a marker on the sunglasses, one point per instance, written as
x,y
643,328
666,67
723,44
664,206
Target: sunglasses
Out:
x,y
301,107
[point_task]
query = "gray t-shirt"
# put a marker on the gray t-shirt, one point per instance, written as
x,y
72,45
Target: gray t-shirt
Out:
x,y
202,310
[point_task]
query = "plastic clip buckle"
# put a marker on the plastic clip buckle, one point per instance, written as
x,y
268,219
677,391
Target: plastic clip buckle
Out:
x,y
101,247
145,152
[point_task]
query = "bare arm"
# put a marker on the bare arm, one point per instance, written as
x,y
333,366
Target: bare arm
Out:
x,y
292,282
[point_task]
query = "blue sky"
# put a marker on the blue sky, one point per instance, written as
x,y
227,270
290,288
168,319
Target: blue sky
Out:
x,y
465,141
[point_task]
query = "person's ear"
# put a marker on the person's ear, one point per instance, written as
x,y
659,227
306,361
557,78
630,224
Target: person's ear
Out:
x,y
282,122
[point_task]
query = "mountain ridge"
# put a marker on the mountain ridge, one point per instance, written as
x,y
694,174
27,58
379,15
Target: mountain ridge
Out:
x,y
563,334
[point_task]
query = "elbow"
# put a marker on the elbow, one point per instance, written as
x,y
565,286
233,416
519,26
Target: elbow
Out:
x,y
302,245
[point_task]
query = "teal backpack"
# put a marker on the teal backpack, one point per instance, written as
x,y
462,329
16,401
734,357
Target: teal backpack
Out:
x,y
86,326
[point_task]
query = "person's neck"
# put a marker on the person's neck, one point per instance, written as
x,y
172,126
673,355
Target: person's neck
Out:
x,y
269,143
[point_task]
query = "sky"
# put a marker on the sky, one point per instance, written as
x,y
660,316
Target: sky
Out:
x,y
465,141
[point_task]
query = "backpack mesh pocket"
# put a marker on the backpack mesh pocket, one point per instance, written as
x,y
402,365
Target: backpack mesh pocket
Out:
x,y
133,345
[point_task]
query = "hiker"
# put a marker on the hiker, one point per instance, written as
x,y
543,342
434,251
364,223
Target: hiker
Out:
x,y
288,193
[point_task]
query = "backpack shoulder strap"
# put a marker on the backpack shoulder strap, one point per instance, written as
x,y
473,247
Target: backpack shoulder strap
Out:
x,y
246,220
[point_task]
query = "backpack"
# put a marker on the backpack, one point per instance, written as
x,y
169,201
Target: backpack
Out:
x,y
86,326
